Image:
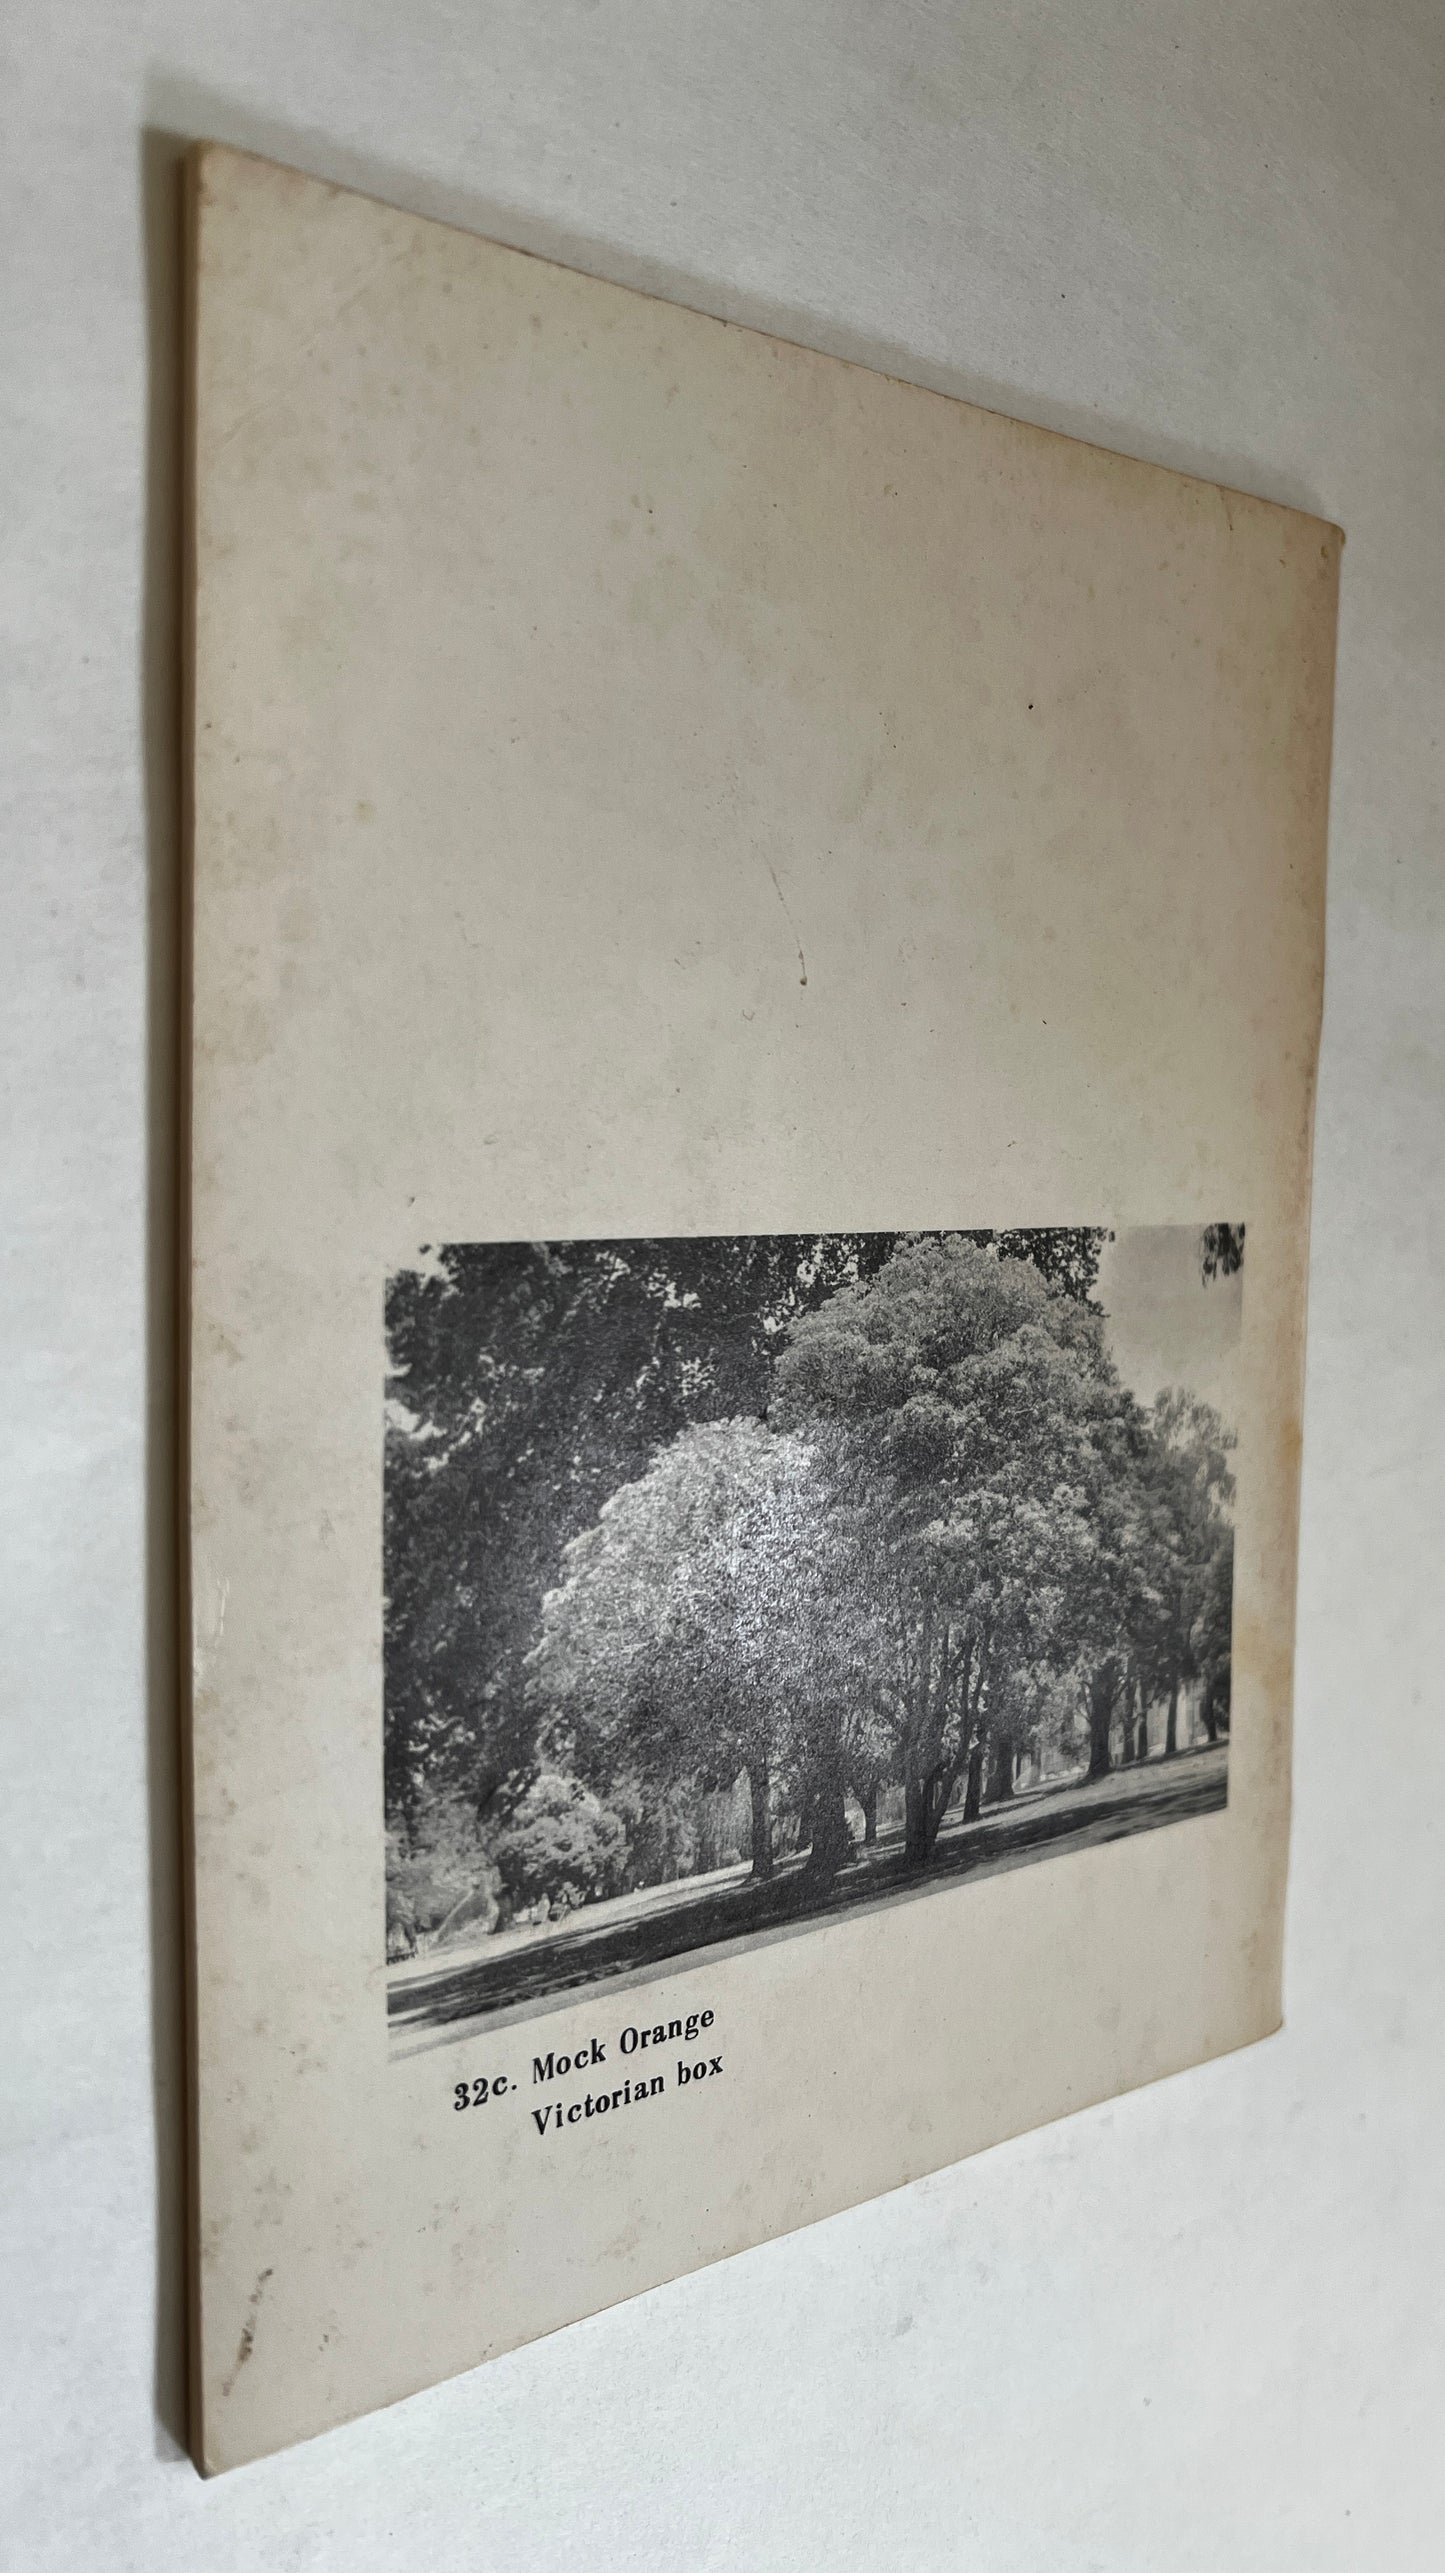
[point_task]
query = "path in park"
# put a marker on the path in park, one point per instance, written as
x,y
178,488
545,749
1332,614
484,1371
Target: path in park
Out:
x,y
431,1999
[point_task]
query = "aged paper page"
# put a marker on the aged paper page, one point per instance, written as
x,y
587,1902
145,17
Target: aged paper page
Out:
x,y
757,947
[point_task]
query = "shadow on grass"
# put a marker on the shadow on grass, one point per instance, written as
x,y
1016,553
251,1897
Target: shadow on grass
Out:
x,y
1035,1827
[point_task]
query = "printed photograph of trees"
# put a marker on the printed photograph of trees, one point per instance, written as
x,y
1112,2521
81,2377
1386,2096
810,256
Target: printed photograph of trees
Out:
x,y
733,1582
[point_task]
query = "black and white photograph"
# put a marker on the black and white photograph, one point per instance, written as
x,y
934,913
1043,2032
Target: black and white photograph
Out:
x,y
734,1582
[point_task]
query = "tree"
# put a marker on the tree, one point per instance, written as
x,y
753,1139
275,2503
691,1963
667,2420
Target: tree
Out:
x,y
1108,1605
561,1846
442,1866
1190,1546
1215,1641
702,1627
1016,1708
529,1380
1221,1251
955,1396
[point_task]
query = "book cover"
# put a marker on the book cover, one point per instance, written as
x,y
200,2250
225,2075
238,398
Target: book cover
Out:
x,y
755,954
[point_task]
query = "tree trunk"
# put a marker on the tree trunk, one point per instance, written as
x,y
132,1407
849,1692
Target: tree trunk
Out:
x,y
832,1844
1171,1736
973,1792
762,1823
915,1823
1001,1781
1102,1688
870,1815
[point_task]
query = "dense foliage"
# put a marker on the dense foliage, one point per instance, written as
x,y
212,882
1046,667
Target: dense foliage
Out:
x,y
701,1543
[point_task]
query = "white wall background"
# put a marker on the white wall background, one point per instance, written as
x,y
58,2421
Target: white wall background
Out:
x,y
1198,2328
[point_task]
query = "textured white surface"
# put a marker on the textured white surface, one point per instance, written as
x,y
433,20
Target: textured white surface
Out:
x,y
1198,2328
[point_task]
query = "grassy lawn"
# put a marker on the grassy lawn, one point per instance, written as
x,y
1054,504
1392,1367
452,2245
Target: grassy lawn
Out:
x,y
432,1998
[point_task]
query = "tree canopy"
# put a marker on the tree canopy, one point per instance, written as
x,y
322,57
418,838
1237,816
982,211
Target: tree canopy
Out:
x,y
831,1515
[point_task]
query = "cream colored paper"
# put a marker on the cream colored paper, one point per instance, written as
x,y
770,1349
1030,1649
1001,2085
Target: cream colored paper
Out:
x,y
652,780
